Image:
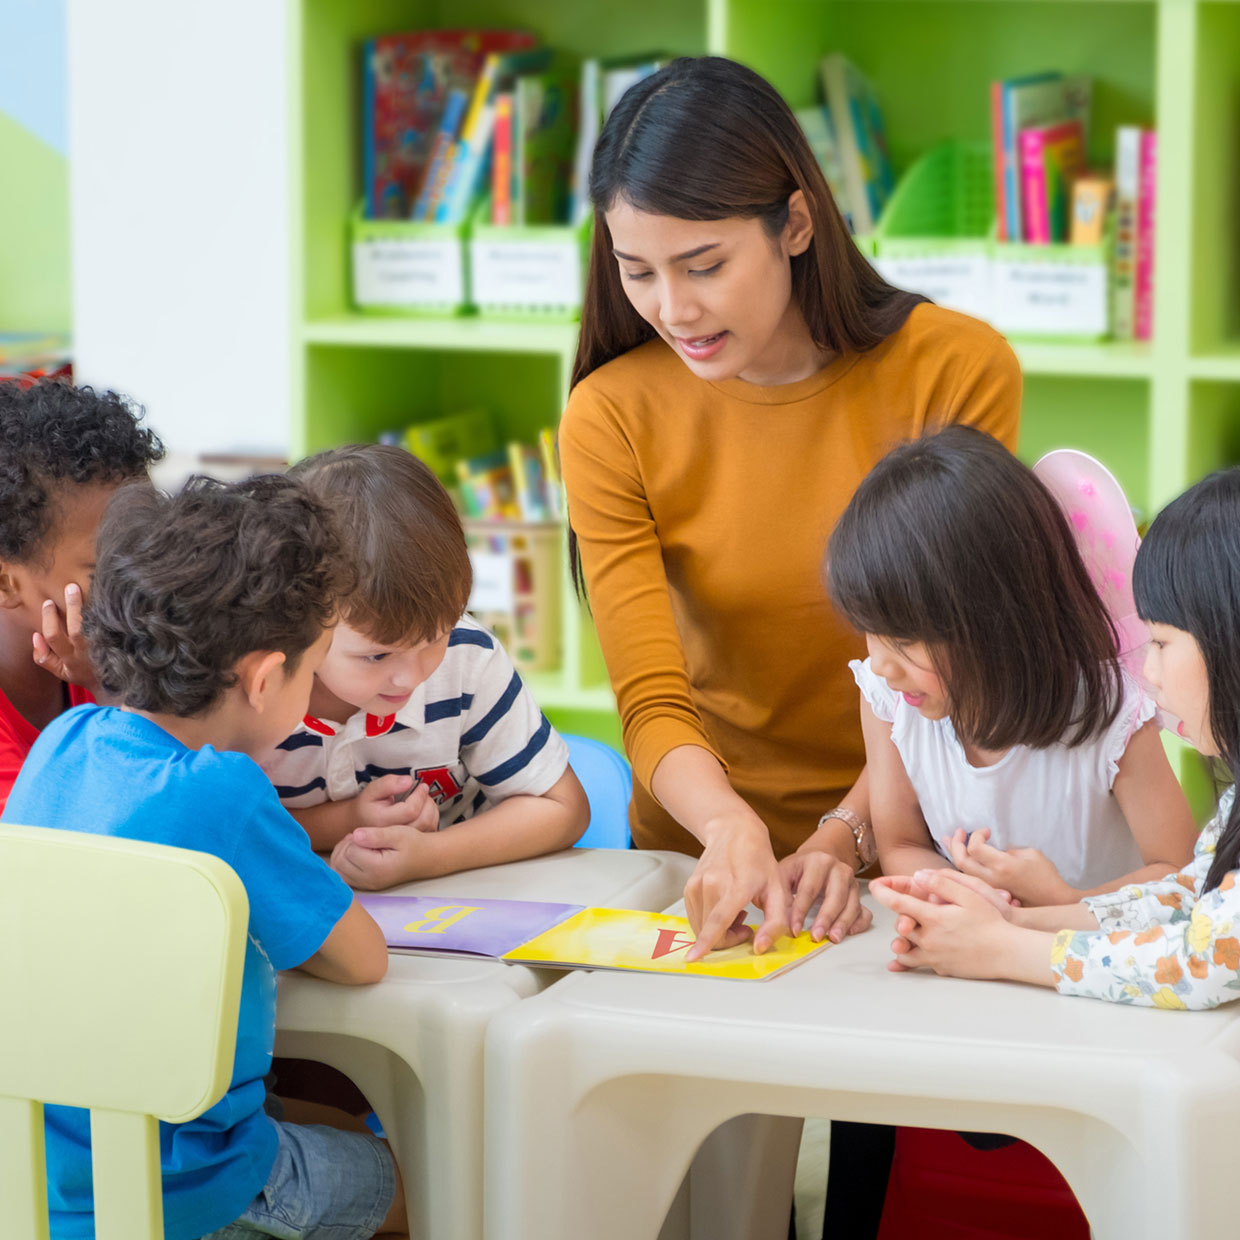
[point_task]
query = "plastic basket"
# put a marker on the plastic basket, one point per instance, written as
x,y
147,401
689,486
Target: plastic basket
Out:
x,y
517,573
1052,291
403,267
937,237
934,234
529,269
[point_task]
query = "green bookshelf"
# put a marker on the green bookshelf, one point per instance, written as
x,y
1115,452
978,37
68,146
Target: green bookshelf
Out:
x,y
1158,414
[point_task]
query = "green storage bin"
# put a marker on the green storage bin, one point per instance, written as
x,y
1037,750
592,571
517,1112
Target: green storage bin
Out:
x,y
405,268
519,271
934,235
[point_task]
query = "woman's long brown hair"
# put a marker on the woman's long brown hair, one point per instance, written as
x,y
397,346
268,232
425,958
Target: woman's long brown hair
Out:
x,y
708,139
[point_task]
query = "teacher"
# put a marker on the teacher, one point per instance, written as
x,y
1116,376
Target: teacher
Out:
x,y
740,368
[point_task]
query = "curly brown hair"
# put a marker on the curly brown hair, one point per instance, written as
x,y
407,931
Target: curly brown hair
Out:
x,y
53,435
187,585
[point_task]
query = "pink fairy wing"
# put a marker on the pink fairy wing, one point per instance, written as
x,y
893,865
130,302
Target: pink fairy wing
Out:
x,y
1106,536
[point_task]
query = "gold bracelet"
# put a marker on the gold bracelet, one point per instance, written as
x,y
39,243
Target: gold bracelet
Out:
x,y
863,834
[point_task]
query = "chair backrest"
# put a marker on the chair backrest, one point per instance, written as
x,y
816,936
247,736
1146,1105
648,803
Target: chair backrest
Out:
x,y
608,782
120,979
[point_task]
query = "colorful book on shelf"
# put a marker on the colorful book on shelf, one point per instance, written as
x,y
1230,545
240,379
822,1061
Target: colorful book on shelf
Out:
x,y
1143,274
471,155
501,160
1041,99
568,936
551,471
437,167
1000,168
528,482
589,121
603,81
406,81
487,488
857,121
1051,156
1127,188
1093,196
815,123
442,442
544,137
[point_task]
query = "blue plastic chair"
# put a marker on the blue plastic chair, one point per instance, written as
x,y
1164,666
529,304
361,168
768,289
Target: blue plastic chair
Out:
x,y
608,782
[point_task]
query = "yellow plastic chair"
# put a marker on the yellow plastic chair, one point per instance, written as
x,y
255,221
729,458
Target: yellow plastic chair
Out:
x,y
120,978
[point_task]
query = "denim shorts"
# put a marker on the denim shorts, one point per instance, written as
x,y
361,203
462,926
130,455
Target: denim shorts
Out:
x,y
326,1184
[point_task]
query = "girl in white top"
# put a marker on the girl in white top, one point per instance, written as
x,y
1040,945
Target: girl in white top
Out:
x,y
1002,736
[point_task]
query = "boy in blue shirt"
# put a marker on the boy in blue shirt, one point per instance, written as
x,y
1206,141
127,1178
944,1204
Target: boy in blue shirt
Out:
x,y
210,613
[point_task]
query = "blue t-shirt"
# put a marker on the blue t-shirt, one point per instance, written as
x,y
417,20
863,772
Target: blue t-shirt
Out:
x,y
103,770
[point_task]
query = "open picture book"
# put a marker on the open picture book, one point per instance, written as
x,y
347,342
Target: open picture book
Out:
x,y
568,936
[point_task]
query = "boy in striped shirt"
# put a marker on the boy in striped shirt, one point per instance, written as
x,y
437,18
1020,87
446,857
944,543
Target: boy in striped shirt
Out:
x,y
418,721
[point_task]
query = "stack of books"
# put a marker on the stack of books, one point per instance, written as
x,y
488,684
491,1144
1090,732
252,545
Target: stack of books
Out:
x,y
452,116
848,138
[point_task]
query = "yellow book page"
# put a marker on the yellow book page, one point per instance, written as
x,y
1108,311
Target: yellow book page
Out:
x,y
609,938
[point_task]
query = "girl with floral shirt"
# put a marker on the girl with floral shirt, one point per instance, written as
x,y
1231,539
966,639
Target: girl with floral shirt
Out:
x,y
1171,943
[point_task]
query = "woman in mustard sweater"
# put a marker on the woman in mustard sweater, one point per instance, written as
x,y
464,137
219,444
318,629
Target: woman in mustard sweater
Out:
x,y
740,368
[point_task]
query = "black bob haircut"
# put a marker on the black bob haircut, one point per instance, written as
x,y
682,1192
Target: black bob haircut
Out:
x,y
53,435
951,541
188,585
1187,576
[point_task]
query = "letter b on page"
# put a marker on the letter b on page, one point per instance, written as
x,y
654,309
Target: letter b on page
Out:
x,y
437,920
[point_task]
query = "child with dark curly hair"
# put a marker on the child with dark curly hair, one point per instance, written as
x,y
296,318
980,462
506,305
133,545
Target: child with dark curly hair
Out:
x,y
64,451
424,753
210,614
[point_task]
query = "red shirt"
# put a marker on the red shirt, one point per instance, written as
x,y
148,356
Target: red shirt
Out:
x,y
17,734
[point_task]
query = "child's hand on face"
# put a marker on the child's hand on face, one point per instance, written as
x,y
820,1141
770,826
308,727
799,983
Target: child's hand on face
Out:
x,y
60,648
949,922
1027,873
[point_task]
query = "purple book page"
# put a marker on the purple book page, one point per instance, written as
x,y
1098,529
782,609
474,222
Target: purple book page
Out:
x,y
460,925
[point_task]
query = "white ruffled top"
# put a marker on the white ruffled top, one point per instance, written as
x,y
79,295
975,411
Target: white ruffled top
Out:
x,y
1057,799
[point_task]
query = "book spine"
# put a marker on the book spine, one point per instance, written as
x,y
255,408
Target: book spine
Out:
x,y
501,161
1127,180
439,164
1011,170
1090,198
468,166
996,130
368,128
551,471
1143,292
1033,187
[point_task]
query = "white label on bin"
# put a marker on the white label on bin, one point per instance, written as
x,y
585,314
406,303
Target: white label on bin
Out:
x,y
1051,299
955,281
407,273
492,582
507,273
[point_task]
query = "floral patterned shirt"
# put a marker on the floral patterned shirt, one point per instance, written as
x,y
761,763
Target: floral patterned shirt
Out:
x,y
1162,943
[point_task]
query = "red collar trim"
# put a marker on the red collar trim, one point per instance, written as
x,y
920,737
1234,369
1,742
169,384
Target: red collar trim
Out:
x,y
377,726
317,725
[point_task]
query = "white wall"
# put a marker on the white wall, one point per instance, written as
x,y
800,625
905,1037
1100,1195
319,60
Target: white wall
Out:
x,y
179,189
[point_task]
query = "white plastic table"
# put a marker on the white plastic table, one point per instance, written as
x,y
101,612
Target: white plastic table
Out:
x,y
413,1043
600,1090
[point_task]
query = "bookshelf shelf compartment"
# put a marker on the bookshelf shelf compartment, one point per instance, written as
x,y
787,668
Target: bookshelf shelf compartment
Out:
x,y
1118,360
454,334
1159,415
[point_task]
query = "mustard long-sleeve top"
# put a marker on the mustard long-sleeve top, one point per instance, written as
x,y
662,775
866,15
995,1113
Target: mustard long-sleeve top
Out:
x,y
702,512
